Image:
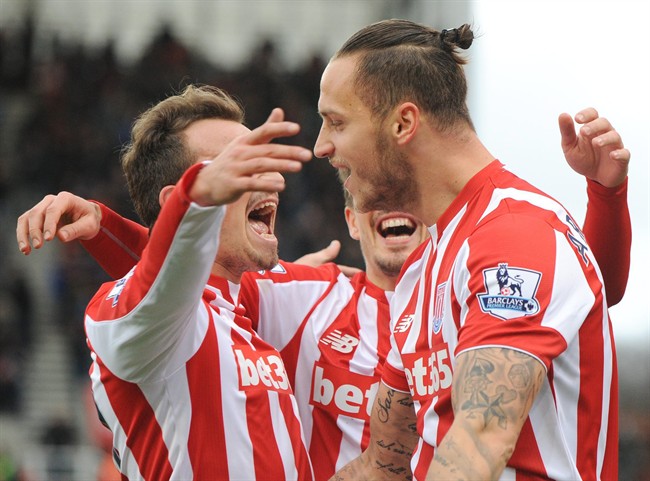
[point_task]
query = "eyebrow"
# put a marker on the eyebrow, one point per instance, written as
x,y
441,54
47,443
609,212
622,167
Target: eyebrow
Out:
x,y
328,113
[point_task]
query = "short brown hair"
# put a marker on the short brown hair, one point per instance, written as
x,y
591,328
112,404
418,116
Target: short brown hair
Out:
x,y
405,61
157,154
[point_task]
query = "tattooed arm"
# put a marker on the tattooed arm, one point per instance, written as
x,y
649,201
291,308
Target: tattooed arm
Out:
x,y
392,440
492,393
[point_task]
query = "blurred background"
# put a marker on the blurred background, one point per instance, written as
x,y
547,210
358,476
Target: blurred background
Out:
x,y
75,73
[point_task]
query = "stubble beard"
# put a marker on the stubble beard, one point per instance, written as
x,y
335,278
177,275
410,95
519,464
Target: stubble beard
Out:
x,y
391,266
391,185
251,260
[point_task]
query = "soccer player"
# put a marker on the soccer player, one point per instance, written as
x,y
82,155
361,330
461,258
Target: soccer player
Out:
x,y
187,388
333,332
502,363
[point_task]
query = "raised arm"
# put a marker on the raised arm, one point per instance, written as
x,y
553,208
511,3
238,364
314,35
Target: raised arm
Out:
x,y
608,230
392,439
597,152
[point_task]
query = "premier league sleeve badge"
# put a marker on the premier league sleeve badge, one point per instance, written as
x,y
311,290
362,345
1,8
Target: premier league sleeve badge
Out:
x,y
510,292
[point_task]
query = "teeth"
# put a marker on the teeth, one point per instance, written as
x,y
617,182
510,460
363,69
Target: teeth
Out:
x,y
396,222
265,205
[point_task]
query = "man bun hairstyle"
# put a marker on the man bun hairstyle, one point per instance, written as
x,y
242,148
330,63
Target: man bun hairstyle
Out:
x,y
457,37
402,61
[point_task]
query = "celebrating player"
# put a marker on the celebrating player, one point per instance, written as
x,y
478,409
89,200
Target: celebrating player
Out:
x,y
187,388
502,362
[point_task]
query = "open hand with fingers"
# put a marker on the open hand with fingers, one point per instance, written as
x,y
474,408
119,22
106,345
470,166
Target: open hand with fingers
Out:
x,y
64,215
596,150
250,163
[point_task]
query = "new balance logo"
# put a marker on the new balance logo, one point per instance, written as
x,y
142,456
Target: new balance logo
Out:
x,y
404,324
340,342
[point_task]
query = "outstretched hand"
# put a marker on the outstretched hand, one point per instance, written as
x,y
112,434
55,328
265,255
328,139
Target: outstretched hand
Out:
x,y
64,215
251,162
597,150
325,255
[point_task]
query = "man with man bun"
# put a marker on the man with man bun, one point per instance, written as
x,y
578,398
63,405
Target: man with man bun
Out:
x,y
490,375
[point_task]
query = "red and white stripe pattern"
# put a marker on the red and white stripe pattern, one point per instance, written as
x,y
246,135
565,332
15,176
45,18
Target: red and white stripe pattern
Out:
x,y
186,386
558,315
333,334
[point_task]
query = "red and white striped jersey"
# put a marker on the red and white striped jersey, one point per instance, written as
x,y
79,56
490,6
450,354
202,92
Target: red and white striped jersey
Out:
x,y
186,386
508,267
333,334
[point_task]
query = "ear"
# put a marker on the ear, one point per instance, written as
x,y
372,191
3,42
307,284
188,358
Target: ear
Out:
x,y
405,122
165,192
351,219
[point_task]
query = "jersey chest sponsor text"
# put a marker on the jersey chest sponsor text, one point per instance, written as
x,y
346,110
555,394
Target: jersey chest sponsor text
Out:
x,y
428,372
343,392
261,370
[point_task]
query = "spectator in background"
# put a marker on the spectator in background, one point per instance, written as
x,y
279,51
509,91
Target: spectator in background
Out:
x,y
16,322
58,439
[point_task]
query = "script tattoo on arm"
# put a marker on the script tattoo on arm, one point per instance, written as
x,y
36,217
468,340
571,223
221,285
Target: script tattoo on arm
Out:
x,y
395,440
393,437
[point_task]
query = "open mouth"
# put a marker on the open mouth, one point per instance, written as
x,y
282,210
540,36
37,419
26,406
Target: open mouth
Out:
x,y
397,226
342,170
261,217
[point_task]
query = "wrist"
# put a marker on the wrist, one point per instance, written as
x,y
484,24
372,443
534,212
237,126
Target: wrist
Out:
x,y
596,188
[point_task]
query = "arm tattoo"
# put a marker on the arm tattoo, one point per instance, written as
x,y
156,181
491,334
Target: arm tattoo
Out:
x,y
393,436
494,379
383,406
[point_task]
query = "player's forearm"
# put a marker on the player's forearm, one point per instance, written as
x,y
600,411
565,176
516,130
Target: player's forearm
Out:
x,y
369,467
392,440
357,469
467,456
118,245
608,231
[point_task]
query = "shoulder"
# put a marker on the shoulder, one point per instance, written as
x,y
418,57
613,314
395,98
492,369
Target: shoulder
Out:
x,y
290,272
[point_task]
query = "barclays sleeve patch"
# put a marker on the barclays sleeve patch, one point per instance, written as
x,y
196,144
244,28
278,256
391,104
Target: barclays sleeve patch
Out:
x,y
118,287
510,292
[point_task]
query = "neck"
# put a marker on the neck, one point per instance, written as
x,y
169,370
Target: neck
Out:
x,y
226,272
382,280
443,164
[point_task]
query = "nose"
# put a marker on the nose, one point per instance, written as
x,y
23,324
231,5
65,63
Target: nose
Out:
x,y
323,147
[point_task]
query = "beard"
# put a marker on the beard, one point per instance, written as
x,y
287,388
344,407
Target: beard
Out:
x,y
390,184
247,259
391,266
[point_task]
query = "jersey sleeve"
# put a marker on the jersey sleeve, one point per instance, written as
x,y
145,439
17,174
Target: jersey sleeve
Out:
x,y
401,302
118,245
279,300
525,283
393,374
609,233
139,324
